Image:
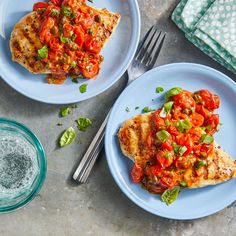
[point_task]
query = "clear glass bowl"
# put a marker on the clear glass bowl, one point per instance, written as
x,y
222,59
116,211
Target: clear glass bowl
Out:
x,y
21,199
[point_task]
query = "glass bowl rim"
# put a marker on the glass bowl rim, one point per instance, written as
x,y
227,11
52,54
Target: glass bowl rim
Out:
x,y
43,166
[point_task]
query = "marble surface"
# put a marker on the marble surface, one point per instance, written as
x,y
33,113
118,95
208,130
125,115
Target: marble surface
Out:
x,y
99,207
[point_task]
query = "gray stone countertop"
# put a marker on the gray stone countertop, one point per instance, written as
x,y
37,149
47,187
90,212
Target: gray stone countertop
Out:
x,y
99,207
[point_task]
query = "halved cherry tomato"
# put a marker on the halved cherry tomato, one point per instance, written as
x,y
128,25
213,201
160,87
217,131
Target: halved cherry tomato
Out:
x,y
203,111
93,44
206,149
137,174
45,31
57,2
80,35
185,140
40,5
163,160
209,100
54,44
90,69
182,162
196,119
149,140
184,100
167,145
177,113
173,130
169,179
212,122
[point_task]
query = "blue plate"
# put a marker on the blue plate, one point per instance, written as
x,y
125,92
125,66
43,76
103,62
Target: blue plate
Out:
x,y
194,203
118,53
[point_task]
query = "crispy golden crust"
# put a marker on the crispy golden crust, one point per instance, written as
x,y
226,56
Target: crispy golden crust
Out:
x,y
24,44
132,137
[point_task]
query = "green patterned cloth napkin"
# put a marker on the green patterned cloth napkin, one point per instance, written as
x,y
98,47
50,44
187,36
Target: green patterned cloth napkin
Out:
x,y
211,26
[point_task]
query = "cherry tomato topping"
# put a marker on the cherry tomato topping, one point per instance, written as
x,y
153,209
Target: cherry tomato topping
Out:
x,y
40,5
137,174
197,119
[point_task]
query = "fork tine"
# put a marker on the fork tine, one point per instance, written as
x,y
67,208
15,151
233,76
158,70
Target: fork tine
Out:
x,y
147,56
156,54
146,44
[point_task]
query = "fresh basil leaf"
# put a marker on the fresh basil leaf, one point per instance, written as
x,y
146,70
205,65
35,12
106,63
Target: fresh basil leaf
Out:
x,y
183,125
172,92
83,123
43,52
162,135
54,12
147,109
65,111
207,139
64,39
159,90
170,195
67,137
66,11
83,88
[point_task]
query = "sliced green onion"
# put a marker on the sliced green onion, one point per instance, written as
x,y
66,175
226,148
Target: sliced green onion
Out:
x,y
54,12
207,139
147,109
168,106
64,39
172,92
176,148
183,125
162,135
66,11
43,52
182,150
200,164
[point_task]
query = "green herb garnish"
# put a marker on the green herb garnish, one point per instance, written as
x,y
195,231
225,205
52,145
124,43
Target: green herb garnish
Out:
x,y
64,39
54,12
75,80
200,164
182,150
73,37
183,125
170,195
65,111
207,139
168,106
66,11
182,183
159,89
73,64
172,92
43,52
162,135
83,123
67,137
83,88
176,148
147,109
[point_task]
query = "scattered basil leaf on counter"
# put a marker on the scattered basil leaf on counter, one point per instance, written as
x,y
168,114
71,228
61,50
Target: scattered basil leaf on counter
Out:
x,y
170,195
207,139
65,111
54,12
83,88
159,89
162,135
83,123
147,109
183,125
43,52
200,164
66,11
172,92
64,39
67,137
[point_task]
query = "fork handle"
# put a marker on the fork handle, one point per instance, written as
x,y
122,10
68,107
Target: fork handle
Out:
x,y
87,162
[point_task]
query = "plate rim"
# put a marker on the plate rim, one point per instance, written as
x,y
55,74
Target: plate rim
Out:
x,y
133,45
224,79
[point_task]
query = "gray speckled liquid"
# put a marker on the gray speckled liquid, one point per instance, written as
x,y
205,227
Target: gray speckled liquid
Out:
x,y
18,165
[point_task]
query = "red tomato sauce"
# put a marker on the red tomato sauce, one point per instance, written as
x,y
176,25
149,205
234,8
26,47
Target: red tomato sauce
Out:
x,y
182,140
72,47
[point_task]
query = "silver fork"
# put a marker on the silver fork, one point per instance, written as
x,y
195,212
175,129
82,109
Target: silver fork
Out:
x,y
144,60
